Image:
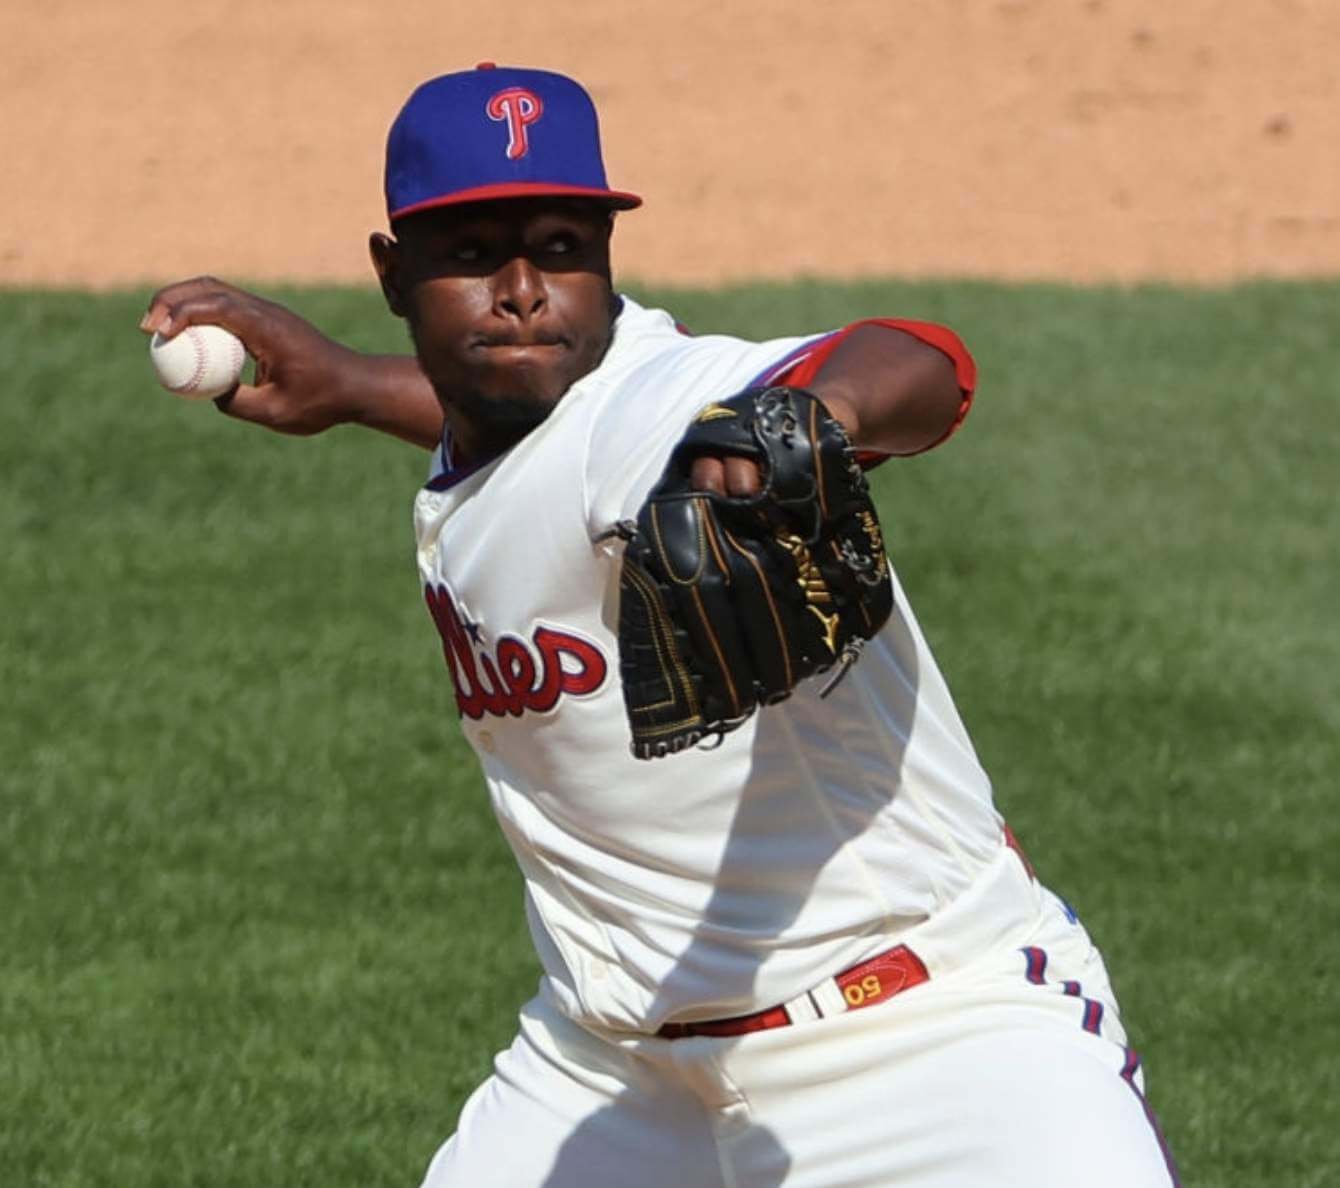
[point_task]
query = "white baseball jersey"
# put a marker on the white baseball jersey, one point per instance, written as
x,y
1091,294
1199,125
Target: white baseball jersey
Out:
x,y
715,882
719,883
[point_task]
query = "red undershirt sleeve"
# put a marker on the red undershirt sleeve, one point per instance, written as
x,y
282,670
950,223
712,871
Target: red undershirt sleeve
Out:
x,y
803,370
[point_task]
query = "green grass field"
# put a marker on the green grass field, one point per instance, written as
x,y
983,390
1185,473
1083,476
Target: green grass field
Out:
x,y
257,925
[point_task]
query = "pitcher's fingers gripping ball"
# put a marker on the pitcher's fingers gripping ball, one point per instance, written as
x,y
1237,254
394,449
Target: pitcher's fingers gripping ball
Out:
x,y
728,602
200,363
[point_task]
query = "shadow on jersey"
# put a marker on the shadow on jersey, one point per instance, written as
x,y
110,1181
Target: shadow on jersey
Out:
x,y
823,771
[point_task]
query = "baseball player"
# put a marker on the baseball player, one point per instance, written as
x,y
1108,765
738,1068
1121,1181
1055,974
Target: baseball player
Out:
x,y
810,954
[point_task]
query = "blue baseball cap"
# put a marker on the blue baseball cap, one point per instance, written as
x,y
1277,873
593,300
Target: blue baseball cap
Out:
x,y
496,132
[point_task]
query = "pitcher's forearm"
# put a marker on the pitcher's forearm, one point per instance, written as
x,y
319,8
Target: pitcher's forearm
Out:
x,y
892,392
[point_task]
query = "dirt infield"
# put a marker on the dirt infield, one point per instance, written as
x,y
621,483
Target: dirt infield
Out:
x,y
1085,139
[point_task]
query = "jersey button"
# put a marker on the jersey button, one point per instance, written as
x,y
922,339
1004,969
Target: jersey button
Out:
x,y
486,741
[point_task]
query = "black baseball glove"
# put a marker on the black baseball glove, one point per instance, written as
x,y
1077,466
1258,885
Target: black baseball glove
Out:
x,y
727,603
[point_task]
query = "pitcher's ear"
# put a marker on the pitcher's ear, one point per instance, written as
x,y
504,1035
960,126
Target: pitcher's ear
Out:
x,y
385,253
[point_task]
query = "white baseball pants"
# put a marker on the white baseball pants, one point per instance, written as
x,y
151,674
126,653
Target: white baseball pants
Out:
x,y
1009,1067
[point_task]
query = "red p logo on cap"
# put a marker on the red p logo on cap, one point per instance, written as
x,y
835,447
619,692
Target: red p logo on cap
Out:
x,y
519,108
446,147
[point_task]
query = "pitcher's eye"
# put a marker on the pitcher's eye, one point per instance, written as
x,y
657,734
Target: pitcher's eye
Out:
x,y
562,243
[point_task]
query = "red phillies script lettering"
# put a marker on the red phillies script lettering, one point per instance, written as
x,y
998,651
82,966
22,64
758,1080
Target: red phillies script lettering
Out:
x,y
515,676
520,108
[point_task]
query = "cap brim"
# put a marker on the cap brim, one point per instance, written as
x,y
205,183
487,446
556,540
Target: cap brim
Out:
x,y
614,199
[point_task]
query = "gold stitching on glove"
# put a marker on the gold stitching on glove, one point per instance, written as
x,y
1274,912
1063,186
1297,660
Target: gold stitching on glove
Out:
x,y
646,732
772,607
694,578
811,582
818,455
716,647
672,665
876,536
710,524
830,625
714,412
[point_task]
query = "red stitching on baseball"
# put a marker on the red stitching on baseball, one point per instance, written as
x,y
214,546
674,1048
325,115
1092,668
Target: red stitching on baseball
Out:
x,y
198,374
239,354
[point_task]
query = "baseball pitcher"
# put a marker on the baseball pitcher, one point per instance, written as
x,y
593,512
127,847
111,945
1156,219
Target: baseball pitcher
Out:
x,y
786,937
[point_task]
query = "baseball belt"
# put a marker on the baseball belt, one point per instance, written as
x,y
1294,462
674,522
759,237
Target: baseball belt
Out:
x,y
872,981
875,980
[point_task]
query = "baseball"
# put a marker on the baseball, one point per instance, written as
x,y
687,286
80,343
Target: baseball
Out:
x,y
199,363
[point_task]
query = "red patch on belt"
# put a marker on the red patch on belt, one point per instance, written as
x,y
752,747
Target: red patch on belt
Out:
x,y
882,977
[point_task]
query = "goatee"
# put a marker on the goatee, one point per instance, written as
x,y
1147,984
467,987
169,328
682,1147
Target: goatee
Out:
x,y
498,422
